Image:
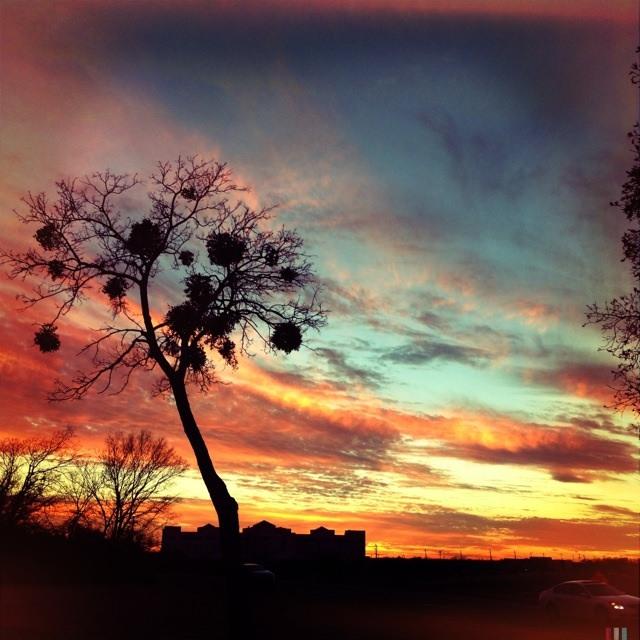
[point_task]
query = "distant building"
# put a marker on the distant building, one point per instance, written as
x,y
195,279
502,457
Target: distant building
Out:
x,y
264,542
202,543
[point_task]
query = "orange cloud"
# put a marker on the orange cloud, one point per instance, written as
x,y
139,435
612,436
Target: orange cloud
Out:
x,y
581,379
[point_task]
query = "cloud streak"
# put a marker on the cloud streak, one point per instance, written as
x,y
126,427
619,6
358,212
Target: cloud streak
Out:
x,y
424,352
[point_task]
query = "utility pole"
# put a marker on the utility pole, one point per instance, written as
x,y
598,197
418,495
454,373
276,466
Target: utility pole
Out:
x,y
490,554
375,546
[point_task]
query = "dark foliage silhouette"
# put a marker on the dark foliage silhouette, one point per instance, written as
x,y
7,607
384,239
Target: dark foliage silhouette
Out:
x,y
241,283
619,319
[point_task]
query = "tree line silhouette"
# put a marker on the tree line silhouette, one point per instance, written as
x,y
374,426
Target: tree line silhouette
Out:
x,y
121,493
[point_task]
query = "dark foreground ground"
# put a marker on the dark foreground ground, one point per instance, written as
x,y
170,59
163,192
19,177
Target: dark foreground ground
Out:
x,y
55,594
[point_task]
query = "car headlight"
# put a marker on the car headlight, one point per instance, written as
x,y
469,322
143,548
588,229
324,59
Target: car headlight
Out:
x,y
615,605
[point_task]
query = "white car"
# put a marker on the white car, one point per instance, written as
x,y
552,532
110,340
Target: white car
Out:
x,y
589,600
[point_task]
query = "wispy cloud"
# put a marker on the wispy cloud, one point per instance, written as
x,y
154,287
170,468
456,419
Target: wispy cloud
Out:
x,y
429,351
342,370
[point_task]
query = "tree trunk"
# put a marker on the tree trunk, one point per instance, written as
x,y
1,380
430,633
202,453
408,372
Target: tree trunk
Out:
x,y
225,505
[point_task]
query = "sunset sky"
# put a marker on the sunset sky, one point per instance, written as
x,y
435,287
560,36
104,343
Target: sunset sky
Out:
x,y
449,165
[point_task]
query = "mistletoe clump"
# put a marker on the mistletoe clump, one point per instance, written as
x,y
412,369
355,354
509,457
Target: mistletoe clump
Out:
x,y
46,337
145,238
288,274
199,290
221,324
227,350
55,269
196,357
225,249
189,193
183,319
115,288
186,258
286,337
48,237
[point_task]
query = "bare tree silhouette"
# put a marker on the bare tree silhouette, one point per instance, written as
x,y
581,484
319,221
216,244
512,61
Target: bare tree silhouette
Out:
x,y
242,283
33,478
122,494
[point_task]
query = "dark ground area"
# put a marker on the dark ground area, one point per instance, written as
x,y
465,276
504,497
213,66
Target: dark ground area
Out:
x,y
52,590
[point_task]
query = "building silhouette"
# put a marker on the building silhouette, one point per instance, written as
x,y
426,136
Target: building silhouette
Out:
x,y
202,543
266,542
